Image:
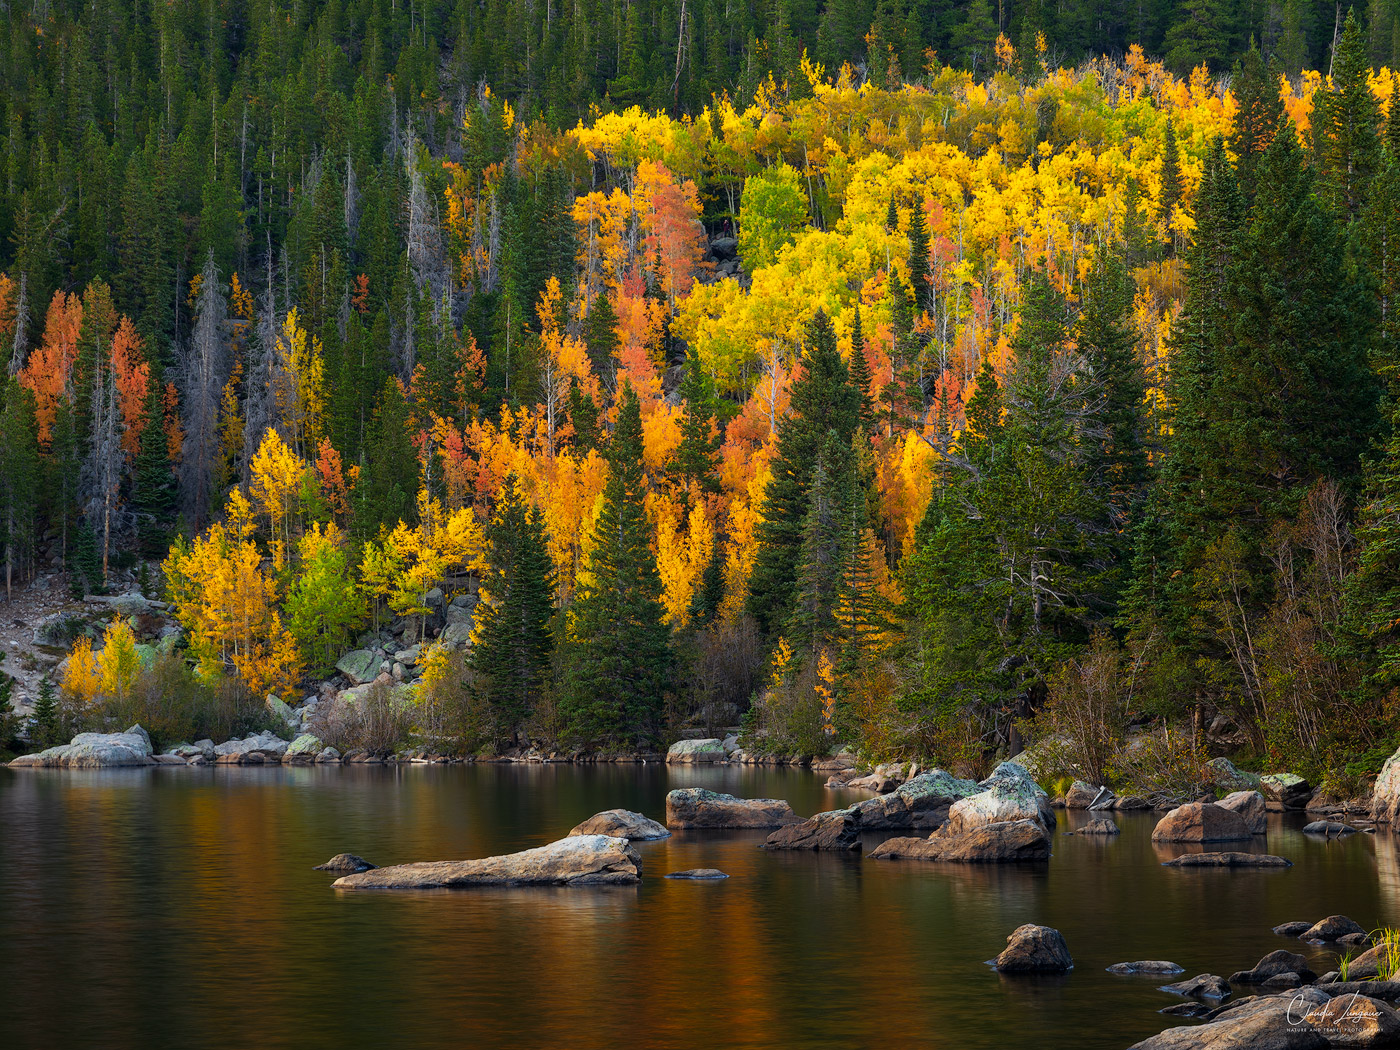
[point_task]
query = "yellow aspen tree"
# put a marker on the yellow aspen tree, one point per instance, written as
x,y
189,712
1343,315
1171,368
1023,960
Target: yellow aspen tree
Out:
x,y
81,677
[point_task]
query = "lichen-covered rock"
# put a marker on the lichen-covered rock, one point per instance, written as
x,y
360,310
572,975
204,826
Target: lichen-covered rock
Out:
x,y
921,802
1250,807
253,750
1034,949
345,864
1006,842
95,751
306,746
583,860
358,665
1225,775
696,752
624,824
1008,795
1201,822
1286,790
838,830
702,808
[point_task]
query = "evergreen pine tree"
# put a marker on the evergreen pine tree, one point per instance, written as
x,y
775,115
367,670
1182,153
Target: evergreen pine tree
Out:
x,y
389,473
45,729
920,276
1347,124
153,496
1171,180
621,661
1257,118
861,379
696,459
515,639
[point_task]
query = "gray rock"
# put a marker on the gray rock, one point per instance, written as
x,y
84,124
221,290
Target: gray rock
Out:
x,y
1332,928
459,614
1380,989
457,634
838,830
622,823
1271,1027
1007,796
94,751
253,750
1034,949
921,802
358,665
1328,829
1225,775
1228,860
169,760
1272,965
581,860
1249,805
1356,1020
724,248
1201,822
1292,929
345,864
1089,796
1098,826
329,755
698,874
306,744
1202,986
1157,967
1286,790
702,808
1132,802
279,709
1385,797
696,752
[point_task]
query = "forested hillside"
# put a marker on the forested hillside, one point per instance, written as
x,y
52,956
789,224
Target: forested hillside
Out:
x,y
915,378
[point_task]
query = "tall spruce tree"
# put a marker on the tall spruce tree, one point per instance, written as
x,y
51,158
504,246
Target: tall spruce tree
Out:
x,y
823,402
1257,117
515,638
1347,126
621,663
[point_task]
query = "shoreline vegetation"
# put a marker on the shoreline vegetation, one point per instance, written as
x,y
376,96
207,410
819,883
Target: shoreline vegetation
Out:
x,y
906,408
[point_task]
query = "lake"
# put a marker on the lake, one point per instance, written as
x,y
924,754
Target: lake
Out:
x,y
178,908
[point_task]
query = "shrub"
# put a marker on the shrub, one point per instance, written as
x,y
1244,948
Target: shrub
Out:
x,y
174,705
1081,726
789,719
376,721
1166,767
450,710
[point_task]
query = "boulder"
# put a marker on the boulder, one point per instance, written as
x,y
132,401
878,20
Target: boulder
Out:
x,y
279,709
1224,774
457,635
1098,826
1356,1020
582,860
204,748
698,874
1089,796
1332,928
724,248
1367,965
169,760
874,782
1201,822
702,808
1157,967
1249,805
1385,796
921,802
1292,929
328,755
1328,829
1228,860
1271,1027
838,830
305,747
1202,986
1389,990
358,665
1006,842
345,864
1007,796
1132,802
1285,790
1034,949
95,751
623,824
1272,965
696,752
253,750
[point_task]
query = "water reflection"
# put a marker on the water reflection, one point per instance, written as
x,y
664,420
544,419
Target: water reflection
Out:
x,y
178,908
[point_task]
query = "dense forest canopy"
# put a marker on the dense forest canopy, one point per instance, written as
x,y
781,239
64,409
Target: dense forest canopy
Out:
x,y
918,377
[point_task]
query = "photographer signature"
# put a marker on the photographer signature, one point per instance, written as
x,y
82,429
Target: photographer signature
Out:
x,y
1346,1019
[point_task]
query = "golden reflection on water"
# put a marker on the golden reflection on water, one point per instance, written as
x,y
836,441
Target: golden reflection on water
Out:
x,y
178,908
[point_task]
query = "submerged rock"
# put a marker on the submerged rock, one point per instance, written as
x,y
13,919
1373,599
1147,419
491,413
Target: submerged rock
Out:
x,y
1272,965
1159,967
583,860
1201,822
1292,929
838,830
345,863
698,874
1228,860
1202,986
1329,829
1009,841
702,808
1098,826
1034,949
622,823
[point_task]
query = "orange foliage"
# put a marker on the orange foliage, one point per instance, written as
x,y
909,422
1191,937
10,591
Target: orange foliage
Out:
x,y
49,371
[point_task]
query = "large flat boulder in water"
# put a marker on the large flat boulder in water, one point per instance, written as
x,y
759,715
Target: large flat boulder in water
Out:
x,y
623,824
696,752
703,808
582,860
1010,794
920,802
1201,822
1228,859
95,751
1006,842
837,831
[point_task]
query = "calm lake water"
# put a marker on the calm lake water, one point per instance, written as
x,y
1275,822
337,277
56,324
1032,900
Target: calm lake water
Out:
x,y
178,908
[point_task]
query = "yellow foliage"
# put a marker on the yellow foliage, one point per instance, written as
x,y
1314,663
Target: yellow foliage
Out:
x,y
119,665
82,678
